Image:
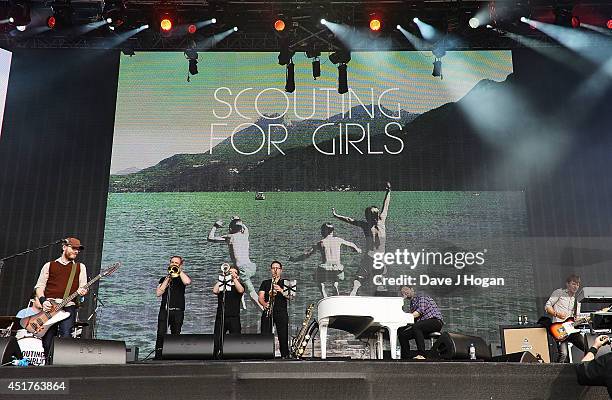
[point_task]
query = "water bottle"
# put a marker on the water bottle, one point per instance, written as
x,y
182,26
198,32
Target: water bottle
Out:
x,y
472,351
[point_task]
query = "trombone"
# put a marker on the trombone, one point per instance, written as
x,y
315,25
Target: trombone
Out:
x,y
174,271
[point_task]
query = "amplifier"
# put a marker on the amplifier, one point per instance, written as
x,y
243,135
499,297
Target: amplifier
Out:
x,y
521,338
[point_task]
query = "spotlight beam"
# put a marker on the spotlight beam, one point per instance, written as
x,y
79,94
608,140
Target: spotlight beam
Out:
x,y
416,42
579,41
212,41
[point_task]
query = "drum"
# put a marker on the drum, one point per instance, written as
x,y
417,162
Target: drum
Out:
x,y
32,349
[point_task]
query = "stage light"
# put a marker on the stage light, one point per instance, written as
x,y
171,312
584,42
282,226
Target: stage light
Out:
x,y
192,56
192,29
575,22
109,20
165,24
474,23
235,29
375,24
19,14
290,78
523,19
316,68
342,79
21,28
437,69
214,20
340,57
279,25
323,21
415,20
398,27
610,24
51,21
145,26
316,63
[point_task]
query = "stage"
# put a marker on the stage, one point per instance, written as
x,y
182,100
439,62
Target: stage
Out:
x,y
342,379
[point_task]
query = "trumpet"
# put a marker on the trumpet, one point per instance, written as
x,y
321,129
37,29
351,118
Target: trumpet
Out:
x,y
174,270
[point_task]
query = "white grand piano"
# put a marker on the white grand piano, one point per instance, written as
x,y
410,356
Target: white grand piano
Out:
x,y
363,316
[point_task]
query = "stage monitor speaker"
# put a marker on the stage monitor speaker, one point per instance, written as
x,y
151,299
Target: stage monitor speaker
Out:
x,y
249,346
68,351
188,347
517,339
201,347
522,357
456,346
9,349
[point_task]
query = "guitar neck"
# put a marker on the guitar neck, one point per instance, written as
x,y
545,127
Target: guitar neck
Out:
x,y
75,294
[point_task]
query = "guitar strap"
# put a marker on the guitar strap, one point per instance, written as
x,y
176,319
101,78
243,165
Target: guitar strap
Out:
x,y
70,280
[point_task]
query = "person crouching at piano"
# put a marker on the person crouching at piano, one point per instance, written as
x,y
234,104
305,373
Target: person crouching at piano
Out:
x,y
560,306
274,302
427,319
231,315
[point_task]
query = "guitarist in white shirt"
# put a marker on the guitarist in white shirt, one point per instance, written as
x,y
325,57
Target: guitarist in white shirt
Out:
x,y
52,285
562,305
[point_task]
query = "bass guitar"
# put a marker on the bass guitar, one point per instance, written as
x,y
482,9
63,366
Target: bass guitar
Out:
x,y
38,324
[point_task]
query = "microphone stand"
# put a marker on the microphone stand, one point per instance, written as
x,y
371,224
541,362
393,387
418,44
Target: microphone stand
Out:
x,y
94,323
23,253
222,336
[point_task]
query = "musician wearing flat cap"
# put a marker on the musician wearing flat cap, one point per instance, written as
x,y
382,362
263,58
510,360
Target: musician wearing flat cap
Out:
x,y
59,279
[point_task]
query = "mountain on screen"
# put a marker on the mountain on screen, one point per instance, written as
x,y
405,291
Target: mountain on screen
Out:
x,y
189,172
446,148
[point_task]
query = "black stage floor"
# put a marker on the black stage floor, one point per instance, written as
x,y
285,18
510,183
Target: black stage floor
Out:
x,y
291,379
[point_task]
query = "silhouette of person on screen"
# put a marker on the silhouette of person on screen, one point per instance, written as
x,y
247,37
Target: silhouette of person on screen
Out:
x,y
375,234
237,241
331,269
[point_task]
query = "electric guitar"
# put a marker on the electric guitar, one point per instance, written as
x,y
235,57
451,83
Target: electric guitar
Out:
x,y
39,324
561,330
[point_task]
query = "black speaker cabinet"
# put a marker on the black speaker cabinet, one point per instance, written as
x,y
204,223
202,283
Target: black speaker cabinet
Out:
x,y
201,347
521,357
9,349
456,346
68,351
248,347
521,338
188,347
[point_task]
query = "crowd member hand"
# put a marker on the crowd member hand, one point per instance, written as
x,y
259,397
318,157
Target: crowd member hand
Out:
x,y
601,341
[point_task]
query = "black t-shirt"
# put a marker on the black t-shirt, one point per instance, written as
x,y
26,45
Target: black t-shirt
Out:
x,y
280,301
232,302
177,294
